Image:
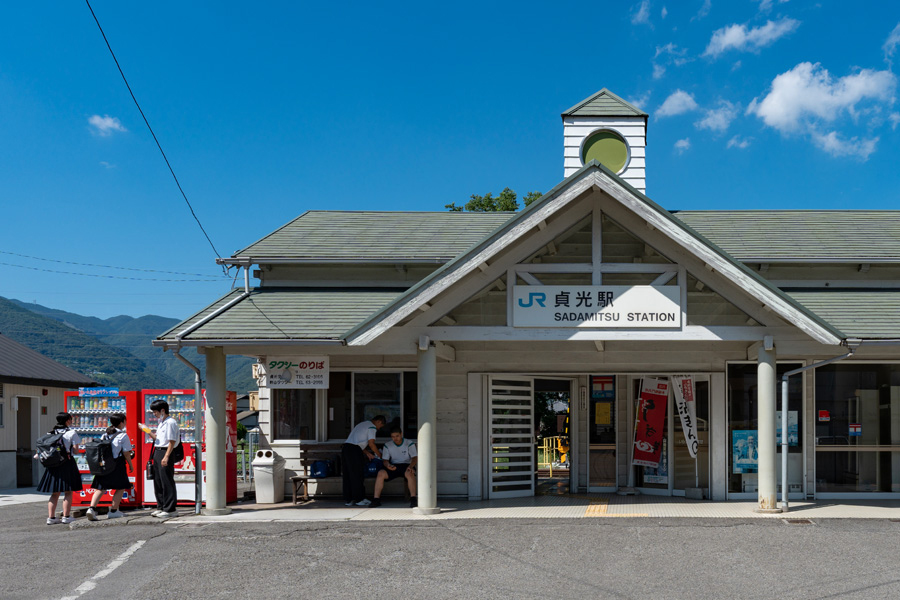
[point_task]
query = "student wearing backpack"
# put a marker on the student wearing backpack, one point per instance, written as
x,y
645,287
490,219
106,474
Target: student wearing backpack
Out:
x,y
166,438
118,479
63,478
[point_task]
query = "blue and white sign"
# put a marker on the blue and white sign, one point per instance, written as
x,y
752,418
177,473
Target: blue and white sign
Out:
x,y
98,392
597,306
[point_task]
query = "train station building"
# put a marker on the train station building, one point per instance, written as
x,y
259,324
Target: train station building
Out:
x,y
729,355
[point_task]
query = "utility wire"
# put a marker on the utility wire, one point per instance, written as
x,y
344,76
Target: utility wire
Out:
x,y
107,276
147,123
68,262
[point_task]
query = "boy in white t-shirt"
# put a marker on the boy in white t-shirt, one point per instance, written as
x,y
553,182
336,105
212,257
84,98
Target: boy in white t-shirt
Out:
x,y
399,457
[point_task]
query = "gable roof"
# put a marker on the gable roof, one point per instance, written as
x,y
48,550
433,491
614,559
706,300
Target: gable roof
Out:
x,y
858,236
859,313
335,236
604,104
21,364
594,174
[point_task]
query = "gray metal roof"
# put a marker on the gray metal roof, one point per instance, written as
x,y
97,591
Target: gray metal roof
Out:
x,y
371,235
604,104
20,363
801,235
286,314
857,313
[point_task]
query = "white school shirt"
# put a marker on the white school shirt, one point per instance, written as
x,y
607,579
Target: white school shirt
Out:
x,y
361,434
167,431
119,443
71,438
401,454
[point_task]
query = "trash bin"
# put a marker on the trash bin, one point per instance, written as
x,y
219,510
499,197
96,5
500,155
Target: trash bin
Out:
x,y
268,471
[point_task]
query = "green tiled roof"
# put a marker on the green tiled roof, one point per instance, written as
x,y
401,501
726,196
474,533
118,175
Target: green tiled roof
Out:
x,y
857,313
373,235
287,314
800,235
604,104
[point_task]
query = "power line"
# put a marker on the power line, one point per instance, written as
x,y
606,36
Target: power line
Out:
x,y
68,262
147,123
107,276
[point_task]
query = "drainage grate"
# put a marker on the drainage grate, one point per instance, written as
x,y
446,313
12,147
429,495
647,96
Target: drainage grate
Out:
x,y
798,521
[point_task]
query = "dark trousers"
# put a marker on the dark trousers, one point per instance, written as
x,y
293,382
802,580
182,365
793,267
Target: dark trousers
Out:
x,y
353,469
164,481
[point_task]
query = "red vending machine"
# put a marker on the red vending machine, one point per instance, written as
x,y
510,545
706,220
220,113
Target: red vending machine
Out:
x,y
181,408
90,409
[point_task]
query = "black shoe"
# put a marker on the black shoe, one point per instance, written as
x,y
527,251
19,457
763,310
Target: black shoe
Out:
x,y
376,502
413,502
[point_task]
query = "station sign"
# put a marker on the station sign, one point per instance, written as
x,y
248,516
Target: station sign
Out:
x,y
597,306
294,372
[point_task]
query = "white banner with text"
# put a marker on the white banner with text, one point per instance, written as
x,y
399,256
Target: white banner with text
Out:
x,y
295,372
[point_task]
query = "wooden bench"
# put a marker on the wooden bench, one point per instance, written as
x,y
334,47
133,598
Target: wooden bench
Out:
x,y
309,454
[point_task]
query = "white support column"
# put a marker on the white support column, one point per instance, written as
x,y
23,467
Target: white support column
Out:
x,y
215,432
767,477
426,444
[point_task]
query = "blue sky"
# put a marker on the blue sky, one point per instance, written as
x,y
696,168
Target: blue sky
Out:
x,y
271,109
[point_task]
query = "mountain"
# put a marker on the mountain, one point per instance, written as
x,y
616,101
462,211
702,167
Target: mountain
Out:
x,y
130,336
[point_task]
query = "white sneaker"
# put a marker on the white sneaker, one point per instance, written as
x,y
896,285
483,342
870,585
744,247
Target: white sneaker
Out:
x,y
351,503
53,521
168,515
156,513
91,514
364,502
67,520
114,514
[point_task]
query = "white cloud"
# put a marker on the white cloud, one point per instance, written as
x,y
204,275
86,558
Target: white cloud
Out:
x,y
833,144
766,5
890,45
738,142
808,93
738,37
683,145
641,15
103,163
704,10
658,71
106,125
641,101
677,103
718,119
735,66
895,120
663,12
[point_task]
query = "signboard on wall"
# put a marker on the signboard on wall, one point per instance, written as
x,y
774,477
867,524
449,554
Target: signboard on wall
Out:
x,y
295,372
649,426
597,306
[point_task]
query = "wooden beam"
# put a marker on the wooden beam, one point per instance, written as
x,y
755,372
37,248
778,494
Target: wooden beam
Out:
x,y
688,333
599,345
445,351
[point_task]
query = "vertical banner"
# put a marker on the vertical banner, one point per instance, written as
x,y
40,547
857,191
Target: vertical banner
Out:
x,y
683,386
649,426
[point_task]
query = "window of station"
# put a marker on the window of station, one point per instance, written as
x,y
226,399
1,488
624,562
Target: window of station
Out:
x,y
351,397
743,429
857,428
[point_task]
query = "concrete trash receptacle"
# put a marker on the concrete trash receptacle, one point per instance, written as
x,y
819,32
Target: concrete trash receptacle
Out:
x,y
268,471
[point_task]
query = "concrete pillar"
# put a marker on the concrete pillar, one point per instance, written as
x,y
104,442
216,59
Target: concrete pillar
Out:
x,y
767,477
215,432
426,444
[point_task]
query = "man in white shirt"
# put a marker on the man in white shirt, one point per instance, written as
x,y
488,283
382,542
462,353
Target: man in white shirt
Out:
x,y
165,439
356,451
400,458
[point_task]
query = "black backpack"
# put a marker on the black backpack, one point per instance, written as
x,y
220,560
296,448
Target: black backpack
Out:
x,y
99,456
51,450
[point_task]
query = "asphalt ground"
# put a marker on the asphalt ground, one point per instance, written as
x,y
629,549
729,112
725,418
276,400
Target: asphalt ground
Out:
x,y
486,558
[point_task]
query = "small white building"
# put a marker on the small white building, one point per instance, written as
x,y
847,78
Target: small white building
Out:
x,y
452,324
32,392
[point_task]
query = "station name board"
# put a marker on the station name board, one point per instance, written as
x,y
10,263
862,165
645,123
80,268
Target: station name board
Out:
x,y
597,306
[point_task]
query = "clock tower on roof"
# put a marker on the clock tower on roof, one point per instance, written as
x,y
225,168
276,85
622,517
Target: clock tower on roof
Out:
x,y
609,130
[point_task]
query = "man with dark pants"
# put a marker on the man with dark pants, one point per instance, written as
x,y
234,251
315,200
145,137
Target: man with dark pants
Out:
x,y
165,439
399,457
359,448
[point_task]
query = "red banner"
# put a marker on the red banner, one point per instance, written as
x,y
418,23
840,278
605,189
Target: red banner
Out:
x,y
649,426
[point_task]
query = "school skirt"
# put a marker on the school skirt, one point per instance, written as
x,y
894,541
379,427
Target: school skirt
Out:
x,y
64,478
117,480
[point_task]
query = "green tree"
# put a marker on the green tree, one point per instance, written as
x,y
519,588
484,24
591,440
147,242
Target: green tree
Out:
x,y
506,201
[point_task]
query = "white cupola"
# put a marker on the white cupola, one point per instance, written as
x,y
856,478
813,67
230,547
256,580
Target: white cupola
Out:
x,y
607,129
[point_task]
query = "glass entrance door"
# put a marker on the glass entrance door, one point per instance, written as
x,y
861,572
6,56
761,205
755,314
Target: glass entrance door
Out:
x,y
602,434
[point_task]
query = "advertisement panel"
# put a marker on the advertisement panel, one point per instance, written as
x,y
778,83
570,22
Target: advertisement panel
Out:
x,y
649,425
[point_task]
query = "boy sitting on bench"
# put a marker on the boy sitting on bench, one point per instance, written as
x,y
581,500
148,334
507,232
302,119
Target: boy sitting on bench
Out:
x,y
399,457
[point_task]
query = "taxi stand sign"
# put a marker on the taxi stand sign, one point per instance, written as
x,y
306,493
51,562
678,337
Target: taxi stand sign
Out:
x,y
295,372
597,306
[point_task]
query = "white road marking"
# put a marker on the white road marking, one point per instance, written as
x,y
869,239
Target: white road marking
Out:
x,y
115,564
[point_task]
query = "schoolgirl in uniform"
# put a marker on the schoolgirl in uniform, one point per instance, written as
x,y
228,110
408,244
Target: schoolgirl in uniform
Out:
x,y
118,479
65,478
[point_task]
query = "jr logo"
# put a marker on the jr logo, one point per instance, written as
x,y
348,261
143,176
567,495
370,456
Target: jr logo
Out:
x,y
534,297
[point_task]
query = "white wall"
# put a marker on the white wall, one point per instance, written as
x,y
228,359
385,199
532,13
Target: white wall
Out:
x,y
576,129
53,402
